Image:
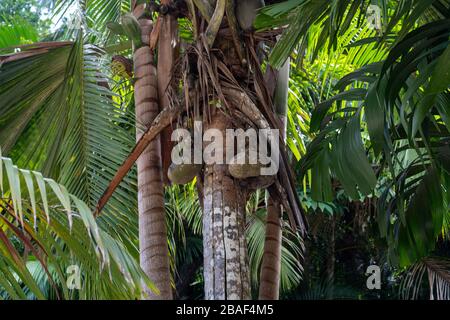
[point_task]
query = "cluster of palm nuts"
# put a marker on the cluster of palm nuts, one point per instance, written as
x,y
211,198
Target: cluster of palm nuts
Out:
x,y
245,165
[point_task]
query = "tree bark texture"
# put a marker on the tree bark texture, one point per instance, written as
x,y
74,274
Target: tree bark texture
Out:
x,y
226,270
269,287
154,258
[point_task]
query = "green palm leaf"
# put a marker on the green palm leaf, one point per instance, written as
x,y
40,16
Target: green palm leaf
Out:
x,y
40,221
14,32
59,117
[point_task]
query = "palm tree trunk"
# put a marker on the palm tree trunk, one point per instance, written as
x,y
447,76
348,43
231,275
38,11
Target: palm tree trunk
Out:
x,y
269,288
153,247
271,263
224,245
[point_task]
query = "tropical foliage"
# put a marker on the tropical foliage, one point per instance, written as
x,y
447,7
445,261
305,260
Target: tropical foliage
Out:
x,y
368,131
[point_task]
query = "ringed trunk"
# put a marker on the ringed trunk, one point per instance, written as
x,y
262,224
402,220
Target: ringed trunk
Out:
x,y
154,257
269,288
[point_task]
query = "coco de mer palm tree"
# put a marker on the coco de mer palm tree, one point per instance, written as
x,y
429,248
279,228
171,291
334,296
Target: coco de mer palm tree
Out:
x,y
215,63
404,79
221,63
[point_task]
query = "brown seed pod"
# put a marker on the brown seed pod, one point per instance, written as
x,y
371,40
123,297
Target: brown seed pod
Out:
x,y
183,173
243,168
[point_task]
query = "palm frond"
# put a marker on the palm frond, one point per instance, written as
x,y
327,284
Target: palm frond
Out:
x,y
291,250
41,221
337,16
437,269
62,120
16,31
403,109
